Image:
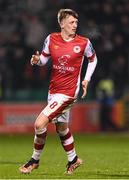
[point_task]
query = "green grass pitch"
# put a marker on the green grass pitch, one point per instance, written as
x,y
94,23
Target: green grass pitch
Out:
x,y
105,156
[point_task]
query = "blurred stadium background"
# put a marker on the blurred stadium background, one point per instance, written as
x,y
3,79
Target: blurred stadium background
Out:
x,y
23,88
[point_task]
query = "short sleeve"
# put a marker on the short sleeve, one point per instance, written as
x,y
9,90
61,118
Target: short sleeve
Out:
x,y
45,49
89,51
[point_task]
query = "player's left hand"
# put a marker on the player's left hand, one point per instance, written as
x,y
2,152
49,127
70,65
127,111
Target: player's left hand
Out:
x,y
84,87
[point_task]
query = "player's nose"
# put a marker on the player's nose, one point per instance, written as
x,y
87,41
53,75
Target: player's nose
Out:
x,y
75,25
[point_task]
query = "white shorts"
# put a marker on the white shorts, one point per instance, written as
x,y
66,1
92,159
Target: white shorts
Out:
x,y
58,108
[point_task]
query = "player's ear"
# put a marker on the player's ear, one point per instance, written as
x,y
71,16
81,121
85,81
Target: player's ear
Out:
x,y
62,24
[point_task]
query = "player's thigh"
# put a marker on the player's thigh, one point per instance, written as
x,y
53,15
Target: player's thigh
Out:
x,y
41,121
64,117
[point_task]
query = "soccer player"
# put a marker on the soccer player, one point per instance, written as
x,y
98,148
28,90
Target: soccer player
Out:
x,y
67,51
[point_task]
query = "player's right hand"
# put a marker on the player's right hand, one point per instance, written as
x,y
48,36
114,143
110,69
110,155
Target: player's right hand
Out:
x,y
84,87
35,58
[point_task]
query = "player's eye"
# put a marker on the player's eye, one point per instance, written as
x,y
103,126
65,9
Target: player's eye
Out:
x,y
72,22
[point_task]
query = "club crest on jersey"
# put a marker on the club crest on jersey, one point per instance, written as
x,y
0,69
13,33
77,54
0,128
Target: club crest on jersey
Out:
x,y
76,49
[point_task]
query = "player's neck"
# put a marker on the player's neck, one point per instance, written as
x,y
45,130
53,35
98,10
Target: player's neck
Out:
x,y
67,37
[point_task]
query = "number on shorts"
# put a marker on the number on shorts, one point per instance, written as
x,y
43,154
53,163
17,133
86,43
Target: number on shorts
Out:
x,y
53,104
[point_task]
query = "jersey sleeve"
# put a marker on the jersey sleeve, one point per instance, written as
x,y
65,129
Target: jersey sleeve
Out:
x,y
45,54
90,69
89,51
45,49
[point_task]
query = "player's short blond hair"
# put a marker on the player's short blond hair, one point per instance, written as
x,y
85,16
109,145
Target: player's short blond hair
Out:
x,y
63,13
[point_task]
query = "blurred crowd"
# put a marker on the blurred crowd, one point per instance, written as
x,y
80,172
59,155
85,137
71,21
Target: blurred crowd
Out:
x,y
26,23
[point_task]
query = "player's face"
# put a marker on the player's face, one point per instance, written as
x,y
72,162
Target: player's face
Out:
x,y
69,25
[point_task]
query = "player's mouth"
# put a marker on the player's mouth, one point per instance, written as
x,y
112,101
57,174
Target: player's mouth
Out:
x,y
74,31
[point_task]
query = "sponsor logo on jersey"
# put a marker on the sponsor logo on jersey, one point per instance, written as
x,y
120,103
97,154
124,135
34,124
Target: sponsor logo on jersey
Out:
x,y
62,67
63,60
76,49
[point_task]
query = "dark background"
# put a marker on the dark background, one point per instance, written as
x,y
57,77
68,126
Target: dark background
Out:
x,y
24,24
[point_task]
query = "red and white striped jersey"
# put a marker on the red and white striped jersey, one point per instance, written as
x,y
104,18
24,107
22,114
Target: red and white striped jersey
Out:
x,y
67,58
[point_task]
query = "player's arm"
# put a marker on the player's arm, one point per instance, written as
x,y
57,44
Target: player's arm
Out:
x,y
91,55
42,59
